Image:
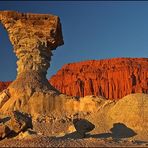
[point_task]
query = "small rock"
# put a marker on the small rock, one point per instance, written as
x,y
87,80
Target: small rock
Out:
x,y
83,126
19,122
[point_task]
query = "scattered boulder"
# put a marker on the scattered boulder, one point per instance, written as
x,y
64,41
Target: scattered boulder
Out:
x,y
19,122
83,126
16,123
79,130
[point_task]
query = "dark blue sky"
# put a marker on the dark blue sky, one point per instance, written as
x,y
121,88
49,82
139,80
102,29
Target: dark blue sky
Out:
x,y
91,30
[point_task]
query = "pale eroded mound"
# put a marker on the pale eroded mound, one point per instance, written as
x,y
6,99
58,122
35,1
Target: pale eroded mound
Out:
x,y
125,118
129,113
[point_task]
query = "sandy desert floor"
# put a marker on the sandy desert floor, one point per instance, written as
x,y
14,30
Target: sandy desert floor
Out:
x,y
45,141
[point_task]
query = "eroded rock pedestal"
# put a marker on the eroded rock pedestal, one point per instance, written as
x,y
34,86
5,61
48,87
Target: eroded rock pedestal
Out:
x,y
33,37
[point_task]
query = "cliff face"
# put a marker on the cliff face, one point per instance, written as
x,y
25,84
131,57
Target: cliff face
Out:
x,y
111,78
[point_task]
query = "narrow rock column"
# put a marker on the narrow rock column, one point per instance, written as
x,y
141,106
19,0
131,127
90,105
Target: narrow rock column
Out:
x,y
33,37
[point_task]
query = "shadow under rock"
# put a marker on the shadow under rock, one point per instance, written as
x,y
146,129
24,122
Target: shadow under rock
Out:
x,y
118,131
82,127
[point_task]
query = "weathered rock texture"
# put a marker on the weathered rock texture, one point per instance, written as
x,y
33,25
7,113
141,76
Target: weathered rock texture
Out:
x,y
4,85
111,78
33,37
14,124
4,97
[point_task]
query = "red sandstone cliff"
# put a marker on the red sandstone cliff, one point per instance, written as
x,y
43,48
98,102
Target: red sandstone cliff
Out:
x,y
111,78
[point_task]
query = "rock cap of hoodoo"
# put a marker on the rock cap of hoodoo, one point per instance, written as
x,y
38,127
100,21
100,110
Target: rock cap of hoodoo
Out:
x,y
50,25
33,37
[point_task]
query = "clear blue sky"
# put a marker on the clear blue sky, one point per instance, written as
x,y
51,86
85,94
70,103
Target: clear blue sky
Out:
x,y
91,30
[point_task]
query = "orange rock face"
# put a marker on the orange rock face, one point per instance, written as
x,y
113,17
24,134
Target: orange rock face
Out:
x,y
111,78
4,85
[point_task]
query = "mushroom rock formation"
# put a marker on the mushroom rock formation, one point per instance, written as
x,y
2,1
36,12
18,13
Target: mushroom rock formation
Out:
x,y
33,37
111,78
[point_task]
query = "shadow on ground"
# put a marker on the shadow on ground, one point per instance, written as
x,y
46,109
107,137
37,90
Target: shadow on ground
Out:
x,y
118,131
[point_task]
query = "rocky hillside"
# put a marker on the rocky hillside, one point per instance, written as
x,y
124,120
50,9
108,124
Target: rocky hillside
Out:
x,y
111,78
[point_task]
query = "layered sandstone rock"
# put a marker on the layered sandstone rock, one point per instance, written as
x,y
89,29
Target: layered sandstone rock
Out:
x,y
111,78
33,37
